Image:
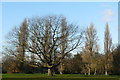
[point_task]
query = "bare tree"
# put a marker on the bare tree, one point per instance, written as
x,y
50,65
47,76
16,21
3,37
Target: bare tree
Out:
x,y
64,35
22,42
17,43
46,38
90,47
107,47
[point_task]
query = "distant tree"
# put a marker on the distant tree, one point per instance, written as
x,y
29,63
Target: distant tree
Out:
x,y
90,48
97,67
107,48
17,44
77,63
10,64
116,61
10,46
22,43
68,64
64,35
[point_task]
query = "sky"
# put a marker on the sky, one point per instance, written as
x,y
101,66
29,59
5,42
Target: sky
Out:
x,y
80,13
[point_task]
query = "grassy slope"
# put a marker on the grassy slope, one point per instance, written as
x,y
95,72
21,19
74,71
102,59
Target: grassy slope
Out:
x,y
57,77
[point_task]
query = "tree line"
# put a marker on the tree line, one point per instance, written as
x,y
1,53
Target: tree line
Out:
x,y
47,45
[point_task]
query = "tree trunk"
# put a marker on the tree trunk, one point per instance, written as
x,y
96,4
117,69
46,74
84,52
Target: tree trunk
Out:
x,y
106,73
61,72
50,72
88,71
95,72
61,68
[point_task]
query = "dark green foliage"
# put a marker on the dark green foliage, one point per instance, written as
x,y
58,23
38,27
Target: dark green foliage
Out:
x,y
116,61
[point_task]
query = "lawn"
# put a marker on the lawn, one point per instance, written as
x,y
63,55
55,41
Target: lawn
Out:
x,y
57,77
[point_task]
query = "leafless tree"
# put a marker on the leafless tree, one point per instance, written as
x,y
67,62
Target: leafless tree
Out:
x,y
22,42
90,47
107,47
47,40
17,43
64,35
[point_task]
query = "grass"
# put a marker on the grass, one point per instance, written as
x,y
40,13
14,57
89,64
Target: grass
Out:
x,y
58,77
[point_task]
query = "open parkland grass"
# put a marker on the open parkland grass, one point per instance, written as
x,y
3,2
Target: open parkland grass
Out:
x,y
58,77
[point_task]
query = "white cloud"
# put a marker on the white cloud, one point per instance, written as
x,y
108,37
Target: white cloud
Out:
x,y
105,5
108,15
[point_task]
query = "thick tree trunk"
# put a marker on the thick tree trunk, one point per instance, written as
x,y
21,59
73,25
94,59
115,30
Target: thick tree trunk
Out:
x,y
50,72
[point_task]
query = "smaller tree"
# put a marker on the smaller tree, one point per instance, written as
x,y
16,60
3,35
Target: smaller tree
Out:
x,y
22,43
107,48
64,35
90,48
10,64
17,44
116,61
77,63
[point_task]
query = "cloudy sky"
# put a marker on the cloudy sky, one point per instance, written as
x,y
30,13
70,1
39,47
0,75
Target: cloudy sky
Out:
x,y
81,13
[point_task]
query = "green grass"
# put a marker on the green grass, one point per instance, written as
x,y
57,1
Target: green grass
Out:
x,y
58,77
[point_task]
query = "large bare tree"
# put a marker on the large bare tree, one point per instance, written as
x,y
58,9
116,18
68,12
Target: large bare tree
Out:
x,y
48,42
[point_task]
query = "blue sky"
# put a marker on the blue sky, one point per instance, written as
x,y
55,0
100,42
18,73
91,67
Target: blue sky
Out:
x,y
81,13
